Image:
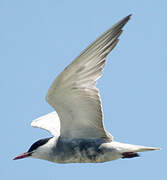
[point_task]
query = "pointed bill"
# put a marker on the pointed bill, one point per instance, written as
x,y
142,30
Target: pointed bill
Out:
x,y
24,155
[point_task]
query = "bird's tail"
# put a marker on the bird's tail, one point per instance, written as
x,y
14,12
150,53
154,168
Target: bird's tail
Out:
x,y
130,150
135,149
138,148
123,148
144,148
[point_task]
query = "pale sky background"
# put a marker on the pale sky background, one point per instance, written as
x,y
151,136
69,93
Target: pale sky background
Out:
x,y
38,39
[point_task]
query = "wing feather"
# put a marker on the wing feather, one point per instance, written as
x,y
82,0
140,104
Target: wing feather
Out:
x,y
74,95
49,122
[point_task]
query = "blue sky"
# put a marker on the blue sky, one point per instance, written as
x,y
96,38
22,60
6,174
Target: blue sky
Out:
x,y
40,38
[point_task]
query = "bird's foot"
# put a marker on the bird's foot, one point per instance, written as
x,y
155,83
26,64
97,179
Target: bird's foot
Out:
x,y
129,155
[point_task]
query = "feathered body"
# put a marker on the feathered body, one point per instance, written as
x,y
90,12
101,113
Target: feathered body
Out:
x,y
77,122
77,150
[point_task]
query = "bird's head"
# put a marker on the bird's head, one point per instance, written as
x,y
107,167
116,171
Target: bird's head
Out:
x,y
40,149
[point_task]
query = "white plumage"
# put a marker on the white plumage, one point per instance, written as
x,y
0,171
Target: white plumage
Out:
x,y
77,123
74,94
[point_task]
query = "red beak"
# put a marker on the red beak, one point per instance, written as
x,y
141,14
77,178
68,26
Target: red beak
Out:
x,y
24,155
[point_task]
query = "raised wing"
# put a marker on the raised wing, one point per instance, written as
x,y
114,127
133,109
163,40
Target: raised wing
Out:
x,y
49,122
74,95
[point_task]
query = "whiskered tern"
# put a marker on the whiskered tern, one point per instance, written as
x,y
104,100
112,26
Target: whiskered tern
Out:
x,y
77,124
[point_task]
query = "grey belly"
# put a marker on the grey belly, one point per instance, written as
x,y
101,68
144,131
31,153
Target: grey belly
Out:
x,y
78,150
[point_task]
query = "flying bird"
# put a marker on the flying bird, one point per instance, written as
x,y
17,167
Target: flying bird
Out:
x,y
77,123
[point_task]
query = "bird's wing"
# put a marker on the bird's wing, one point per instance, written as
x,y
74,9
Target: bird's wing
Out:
x,y
49,122
74,95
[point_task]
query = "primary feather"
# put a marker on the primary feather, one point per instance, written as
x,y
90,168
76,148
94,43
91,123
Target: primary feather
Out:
x,y
74,94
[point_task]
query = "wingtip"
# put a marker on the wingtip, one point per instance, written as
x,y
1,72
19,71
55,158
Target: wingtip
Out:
x,y
128,17
123,21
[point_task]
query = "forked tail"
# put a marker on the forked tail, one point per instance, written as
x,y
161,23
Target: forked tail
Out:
x,y
135,149
130,150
